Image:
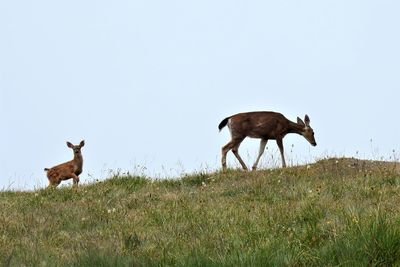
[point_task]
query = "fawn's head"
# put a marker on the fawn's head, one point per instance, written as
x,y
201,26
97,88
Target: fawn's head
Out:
x,y
307,132
77,148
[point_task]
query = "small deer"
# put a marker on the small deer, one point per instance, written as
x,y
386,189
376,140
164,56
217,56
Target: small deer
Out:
x,y
70,169
264,125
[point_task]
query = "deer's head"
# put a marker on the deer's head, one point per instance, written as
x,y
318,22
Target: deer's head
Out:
x,y
307,132
77,148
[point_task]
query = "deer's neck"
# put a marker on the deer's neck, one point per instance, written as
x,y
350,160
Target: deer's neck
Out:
x,y
78,160
295,128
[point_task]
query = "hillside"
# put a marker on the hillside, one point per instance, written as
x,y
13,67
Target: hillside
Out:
x,y
334,212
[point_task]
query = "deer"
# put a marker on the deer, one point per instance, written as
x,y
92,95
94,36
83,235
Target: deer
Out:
x,y
67,170
265,125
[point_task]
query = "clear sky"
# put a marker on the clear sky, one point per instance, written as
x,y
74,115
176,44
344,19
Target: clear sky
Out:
x,y
146,83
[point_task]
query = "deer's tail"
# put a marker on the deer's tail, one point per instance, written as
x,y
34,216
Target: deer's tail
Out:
x,y
223,123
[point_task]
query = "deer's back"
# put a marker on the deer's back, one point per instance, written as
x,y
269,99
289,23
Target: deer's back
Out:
x,y
63,171
261,124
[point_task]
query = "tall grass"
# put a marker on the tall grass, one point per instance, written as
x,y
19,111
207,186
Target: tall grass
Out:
x,y
335,212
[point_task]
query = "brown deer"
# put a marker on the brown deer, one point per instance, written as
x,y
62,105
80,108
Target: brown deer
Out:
x,y
70,169
265,125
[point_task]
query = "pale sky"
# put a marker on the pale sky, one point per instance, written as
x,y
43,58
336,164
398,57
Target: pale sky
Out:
x,y
146,83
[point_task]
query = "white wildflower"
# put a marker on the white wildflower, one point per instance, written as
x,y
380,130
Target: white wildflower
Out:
x,y
111,210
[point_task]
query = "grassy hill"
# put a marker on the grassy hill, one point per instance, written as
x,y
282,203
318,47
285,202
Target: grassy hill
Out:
x,y
335,212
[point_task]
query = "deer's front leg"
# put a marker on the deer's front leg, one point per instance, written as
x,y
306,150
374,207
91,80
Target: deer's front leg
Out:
x,y
263,143
76,179
280,145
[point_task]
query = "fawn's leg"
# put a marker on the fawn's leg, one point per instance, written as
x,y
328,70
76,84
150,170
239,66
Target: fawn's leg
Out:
x,y
76,179
53,183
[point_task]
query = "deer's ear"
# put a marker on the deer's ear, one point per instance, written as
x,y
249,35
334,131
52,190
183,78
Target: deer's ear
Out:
x,y
69,145
82,143
300,121
307,120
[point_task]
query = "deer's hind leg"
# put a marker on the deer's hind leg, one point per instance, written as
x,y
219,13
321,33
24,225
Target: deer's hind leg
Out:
x,y
235,151
53,178
225,150
234,146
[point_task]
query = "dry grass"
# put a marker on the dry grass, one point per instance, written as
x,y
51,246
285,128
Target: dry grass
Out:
x,y
335,212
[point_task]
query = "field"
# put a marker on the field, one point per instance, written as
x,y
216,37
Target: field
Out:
x,y
336,212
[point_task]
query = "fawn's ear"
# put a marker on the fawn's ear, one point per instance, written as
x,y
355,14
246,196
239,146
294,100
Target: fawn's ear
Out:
x,y
70,145
82,143
300,121
307,120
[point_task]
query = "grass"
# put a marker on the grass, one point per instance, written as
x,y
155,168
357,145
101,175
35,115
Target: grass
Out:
x,y
337,212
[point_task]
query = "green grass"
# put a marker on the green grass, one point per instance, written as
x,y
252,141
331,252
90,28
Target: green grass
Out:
x,y
337,212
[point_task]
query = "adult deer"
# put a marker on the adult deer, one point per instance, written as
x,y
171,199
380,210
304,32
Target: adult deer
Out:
x,y
70,169
264,125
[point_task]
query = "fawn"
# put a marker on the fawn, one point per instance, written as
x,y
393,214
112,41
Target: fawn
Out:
x,y
264,125
70,169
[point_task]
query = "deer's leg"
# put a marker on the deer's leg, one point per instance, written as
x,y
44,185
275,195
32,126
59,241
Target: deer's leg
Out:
x,y
280,145
53,183
225,150
54,180
234,146
75,179
235,151
263,143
